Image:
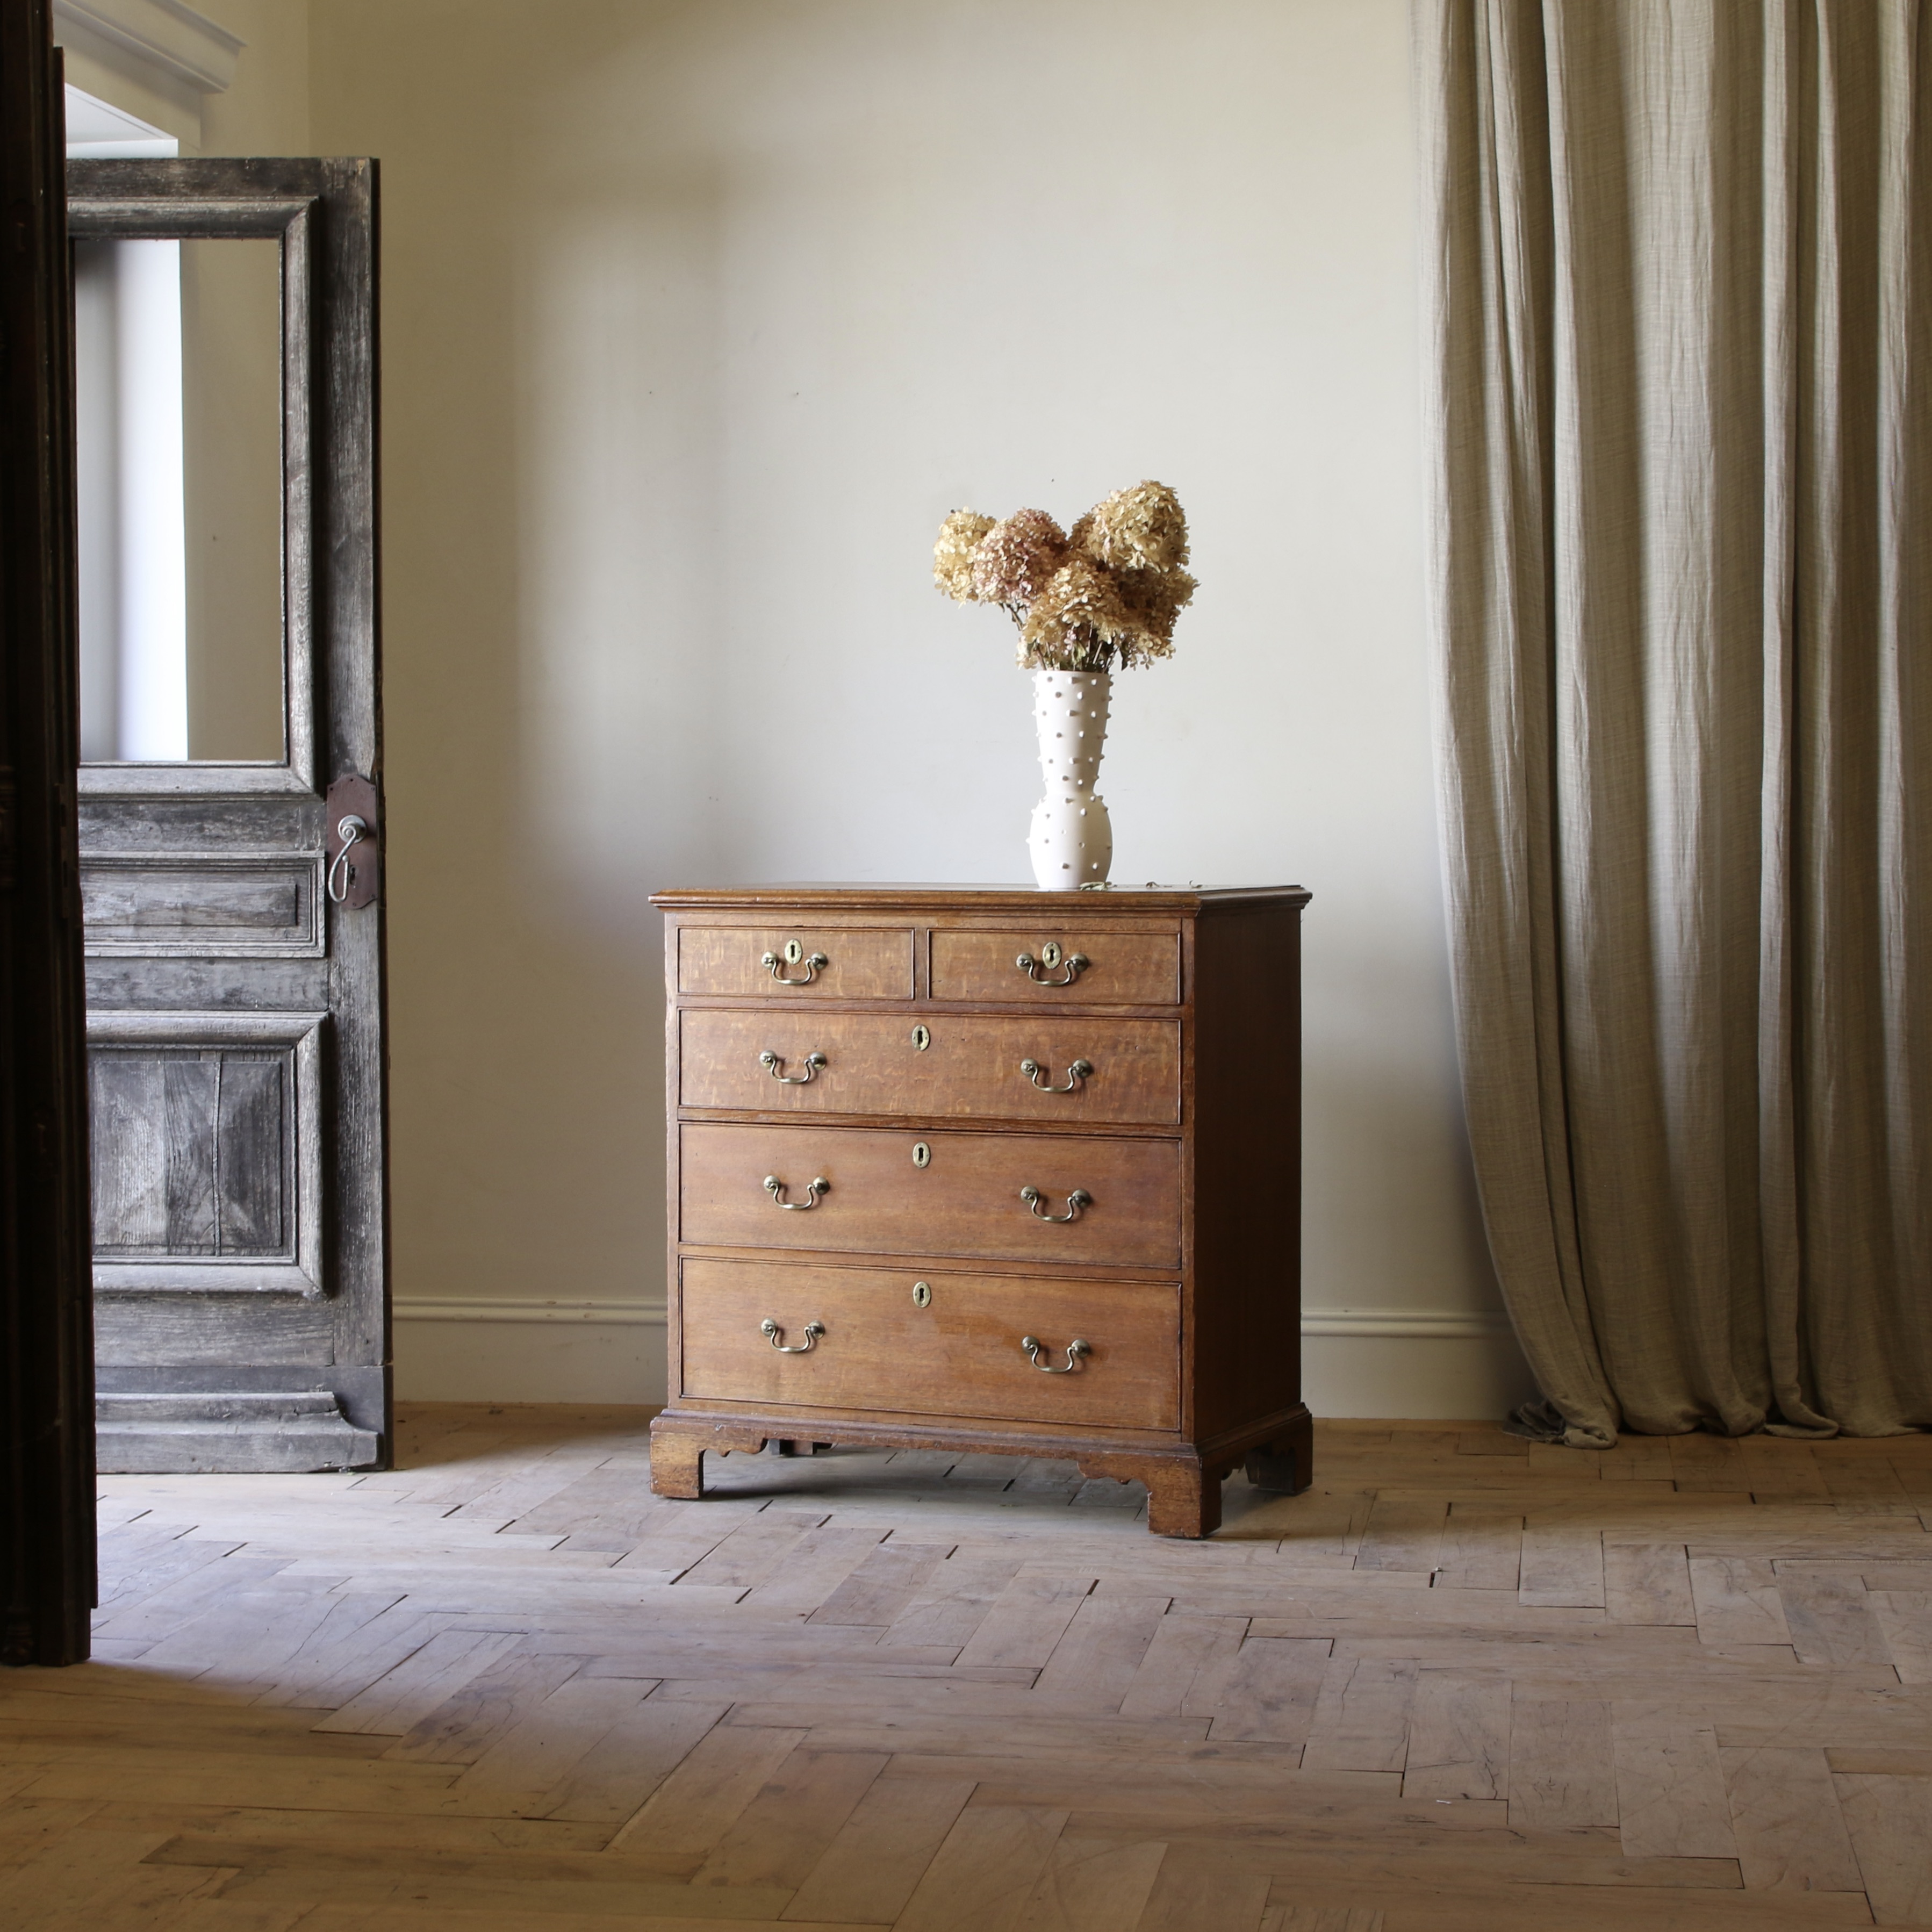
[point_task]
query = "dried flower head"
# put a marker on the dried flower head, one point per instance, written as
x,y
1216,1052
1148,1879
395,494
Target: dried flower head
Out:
x,y
1108,591
1077,623
1017,558
1153,600
1142,529
959,538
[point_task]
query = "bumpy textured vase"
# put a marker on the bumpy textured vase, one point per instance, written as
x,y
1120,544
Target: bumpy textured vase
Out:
x,y
1071,841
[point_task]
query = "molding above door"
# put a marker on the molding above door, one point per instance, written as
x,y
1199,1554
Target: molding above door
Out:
x,y
177,42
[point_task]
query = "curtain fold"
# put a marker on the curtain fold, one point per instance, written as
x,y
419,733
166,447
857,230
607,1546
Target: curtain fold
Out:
x,y
1677,256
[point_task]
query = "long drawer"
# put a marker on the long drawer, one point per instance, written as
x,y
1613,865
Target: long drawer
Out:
x,y
883,1191
783,1060
954,1349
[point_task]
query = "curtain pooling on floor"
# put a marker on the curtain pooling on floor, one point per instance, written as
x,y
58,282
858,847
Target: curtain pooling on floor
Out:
x,y
1678,256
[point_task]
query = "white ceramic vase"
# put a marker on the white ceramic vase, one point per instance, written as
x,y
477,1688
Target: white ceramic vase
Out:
x,y
1071,841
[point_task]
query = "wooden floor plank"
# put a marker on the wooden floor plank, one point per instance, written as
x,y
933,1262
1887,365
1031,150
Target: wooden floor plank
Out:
x,y
1465,1682
1647,1583
1671,1802
518,1774
1905,1621
461,1728
1458,1737
1268,1693
872,1867
692,1811
1184,1650
982,1877
1027,1621
424,1679
1197,1890
1785,1819
1098,1659
1092,1884
880,1587
1403,1536
1890,1822
799,1584
1831,1619
1322,1918
1481,1549
1361,1719
1562,1562
612,1780
784,1831
1737,1600
947,1609
1561,1767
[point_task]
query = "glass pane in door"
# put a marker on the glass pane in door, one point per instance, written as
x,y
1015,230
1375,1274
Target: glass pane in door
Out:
x,y
179,366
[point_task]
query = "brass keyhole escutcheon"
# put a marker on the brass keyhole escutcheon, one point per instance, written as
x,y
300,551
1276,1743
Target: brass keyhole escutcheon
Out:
x,y
921,1154
921,1040
794,951
922,1295
1050,955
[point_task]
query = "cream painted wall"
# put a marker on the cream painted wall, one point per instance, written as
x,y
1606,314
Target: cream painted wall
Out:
x,y
696,318
265,110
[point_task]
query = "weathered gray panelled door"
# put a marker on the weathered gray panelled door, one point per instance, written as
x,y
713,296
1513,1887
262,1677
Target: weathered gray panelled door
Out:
x,y
235,948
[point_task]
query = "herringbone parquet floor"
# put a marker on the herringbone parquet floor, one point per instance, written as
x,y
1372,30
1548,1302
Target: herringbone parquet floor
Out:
x,y
1466,1684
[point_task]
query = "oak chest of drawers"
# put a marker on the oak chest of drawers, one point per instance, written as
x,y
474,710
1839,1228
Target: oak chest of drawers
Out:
x,y
991,1170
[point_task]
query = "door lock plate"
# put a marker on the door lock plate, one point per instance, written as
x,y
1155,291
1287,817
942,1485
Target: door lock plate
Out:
x,y
360,874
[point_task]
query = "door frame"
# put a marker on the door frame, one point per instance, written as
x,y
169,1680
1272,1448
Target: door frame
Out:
x,y
47,1549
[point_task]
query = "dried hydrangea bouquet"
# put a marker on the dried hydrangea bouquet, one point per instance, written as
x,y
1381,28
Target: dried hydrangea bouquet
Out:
x,y
1105,592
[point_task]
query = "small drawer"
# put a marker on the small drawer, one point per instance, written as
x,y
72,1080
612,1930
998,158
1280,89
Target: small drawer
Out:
x,y
954,1350
796,962
782,1060
1088,964
1113,1203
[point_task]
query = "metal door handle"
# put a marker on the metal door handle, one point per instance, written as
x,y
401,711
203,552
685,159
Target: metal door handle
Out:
x,y
815,1191
774,1334
350,830
1032,1196
1035,1348
774,1064
1077,1072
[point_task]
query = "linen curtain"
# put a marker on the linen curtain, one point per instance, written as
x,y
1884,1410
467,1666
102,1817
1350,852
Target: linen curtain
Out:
x,y
1677,263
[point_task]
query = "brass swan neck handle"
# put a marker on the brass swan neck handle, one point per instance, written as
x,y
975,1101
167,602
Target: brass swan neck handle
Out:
x,y
815,1191
774,1064
794,955
1076,963
774,1334
1077,1200
1035,1348
1080,1070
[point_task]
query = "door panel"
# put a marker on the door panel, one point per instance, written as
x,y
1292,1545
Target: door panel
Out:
x,y
207,1151
234,1023
210,908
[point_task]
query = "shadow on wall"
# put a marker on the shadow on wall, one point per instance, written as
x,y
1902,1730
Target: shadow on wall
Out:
x,y
682,367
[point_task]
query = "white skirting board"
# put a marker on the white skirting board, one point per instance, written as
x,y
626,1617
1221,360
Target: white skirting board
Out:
x,y
1411,1364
